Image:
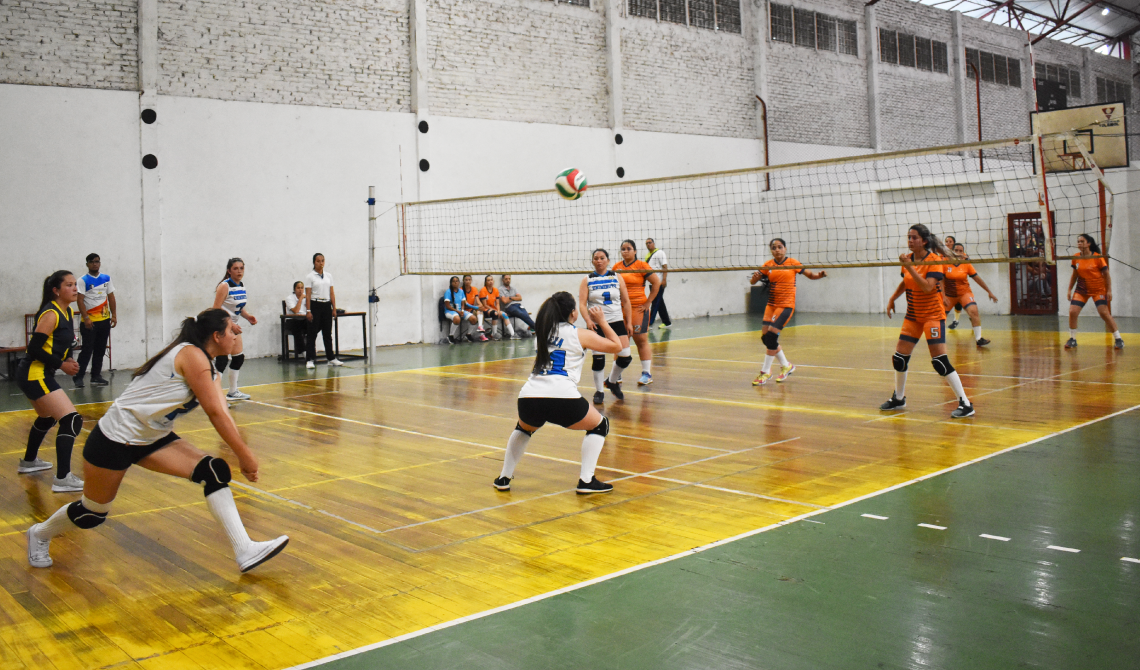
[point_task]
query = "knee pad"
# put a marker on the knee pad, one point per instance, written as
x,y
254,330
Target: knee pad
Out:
x,y
901,361
602,428
221,363
43,423
71,424
623,361
942,365
83,517
518,427
599,364
625,352
771,340
213,472
237,361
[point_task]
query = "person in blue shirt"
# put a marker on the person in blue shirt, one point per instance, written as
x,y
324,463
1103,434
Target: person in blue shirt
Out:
x,y
97,310
453,299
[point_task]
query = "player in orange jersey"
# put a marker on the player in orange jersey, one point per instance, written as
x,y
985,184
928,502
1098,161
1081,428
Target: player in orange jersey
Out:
x,y
640,305
959,296
925,315
1091,279
781,306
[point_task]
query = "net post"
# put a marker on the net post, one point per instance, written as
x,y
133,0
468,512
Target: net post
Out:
x,y
1103,191
404,235
370,349
1043,195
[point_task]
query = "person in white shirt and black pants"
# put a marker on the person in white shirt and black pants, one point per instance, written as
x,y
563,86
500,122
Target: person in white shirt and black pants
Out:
x,y
320,302
660,265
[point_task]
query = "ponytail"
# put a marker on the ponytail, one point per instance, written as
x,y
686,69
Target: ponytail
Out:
x,y
931,242
1093,246
53,282
554,312
195,330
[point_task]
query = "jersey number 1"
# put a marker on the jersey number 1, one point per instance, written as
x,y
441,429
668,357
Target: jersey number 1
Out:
x,y
606,298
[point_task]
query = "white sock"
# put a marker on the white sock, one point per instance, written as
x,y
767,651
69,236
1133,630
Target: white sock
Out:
x,y
900,384
615,373
591,449
480,317
1116,334
781,359
599,378
956,383
977,332
454,330
508,326
59,523
1073,333
233,380
516,447
222,506
645,365
767,367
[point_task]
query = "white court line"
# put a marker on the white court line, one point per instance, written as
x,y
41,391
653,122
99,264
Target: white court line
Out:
x,y
697,550
1068,549
875,516
994,537
1130,560
931,526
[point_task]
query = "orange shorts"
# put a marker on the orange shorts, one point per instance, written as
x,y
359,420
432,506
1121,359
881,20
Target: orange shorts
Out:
x,y
778,317
965,300
640,318
1079,299
935,331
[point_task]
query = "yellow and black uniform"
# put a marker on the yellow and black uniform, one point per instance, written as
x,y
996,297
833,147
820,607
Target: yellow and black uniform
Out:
x,y
46,353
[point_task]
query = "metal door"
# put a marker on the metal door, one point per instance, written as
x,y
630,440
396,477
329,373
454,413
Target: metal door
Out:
x,y
1032,285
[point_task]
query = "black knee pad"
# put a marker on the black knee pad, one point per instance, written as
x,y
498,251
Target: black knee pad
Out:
x,y
942,365
71,424
43,423
901,361
600,363
83,517
237,361
518,427
602,428
771,340
221,363
624,361
213,472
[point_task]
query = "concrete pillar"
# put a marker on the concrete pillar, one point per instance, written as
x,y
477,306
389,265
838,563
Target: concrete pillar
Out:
x,y
957,64
872,53
755,22
1027,83
1088,81
154,327
421,70
613,15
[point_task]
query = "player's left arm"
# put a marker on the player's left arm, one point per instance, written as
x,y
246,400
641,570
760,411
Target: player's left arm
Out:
x,y
980,282
926,284
1107,283
814,275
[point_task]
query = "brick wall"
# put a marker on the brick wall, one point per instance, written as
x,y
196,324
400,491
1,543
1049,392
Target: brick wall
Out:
x,y
678,79
75,43
330,53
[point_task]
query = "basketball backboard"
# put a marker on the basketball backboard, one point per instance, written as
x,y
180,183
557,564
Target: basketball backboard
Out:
x,y
1100,129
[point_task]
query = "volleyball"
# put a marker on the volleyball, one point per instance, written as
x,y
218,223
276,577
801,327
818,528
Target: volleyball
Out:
x,y
570,183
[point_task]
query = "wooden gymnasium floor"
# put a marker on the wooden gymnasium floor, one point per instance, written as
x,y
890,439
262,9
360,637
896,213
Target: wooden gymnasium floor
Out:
x,y
382,481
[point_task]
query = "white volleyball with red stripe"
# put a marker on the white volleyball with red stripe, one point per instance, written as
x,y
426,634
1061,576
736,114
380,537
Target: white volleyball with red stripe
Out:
x,y
570,183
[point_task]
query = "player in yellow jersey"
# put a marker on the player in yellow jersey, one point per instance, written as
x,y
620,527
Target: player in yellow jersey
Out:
x,y
780,274
959,296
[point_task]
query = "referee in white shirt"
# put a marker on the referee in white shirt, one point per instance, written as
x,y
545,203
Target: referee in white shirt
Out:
x,y
660,264
320,302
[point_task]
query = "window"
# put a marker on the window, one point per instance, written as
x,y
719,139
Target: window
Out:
x,y
1068,78
1108,90
912,51
581,3
647,8
1014,67
848,37
728,16
972,58
808,29
781,22
1074,83
825,37
804,21
673,11
906,50
701,14
938,55
995,68
987,66
712,14
888,46
923,58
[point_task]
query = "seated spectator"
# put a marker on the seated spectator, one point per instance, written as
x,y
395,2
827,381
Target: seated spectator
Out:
x,y
453,299
511,301
492,309
471,302
295,306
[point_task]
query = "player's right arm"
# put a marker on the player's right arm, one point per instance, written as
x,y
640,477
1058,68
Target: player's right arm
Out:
x,y
894,297
1072,282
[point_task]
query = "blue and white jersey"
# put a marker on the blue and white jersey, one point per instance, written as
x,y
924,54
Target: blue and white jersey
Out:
x,y
235,299
605,292
145,412
96,293
560,378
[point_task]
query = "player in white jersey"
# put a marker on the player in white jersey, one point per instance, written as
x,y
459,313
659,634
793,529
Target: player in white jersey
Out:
x,y
551,392
138,430
603,288
230,295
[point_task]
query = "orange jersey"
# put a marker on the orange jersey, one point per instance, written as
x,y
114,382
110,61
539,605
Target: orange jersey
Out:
x,y
958,279
924,307
634,281
781,283
1090,281
490,300
470,298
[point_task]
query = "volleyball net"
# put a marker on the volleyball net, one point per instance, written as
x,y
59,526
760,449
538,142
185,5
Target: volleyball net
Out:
x,y
844,212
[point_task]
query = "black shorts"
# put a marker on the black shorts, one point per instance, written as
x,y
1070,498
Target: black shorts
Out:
x,y
35,389
101,451
563,412
618,326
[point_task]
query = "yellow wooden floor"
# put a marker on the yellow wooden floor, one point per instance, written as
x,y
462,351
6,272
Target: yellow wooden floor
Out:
x,y
383,484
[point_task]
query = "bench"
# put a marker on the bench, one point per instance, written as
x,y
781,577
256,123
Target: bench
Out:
x,y
12,361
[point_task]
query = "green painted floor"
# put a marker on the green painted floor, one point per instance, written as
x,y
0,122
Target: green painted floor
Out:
x,y
841,590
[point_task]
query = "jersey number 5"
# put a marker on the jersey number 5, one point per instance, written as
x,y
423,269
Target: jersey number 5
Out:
x,y
934,332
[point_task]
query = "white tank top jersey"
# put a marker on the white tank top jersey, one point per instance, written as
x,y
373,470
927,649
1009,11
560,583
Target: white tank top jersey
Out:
x,y
560,378
146,410
604,292
236,299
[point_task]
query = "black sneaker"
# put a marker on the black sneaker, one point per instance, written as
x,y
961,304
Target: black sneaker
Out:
x,y
1118,344
78,381
593,487
452,339
893,404
952,325
599,397
99,381
963,410
982,342
1071,344
614,389
502,483
471,337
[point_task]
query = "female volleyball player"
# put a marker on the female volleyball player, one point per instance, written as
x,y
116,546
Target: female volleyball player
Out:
x,y
781,306
138,429
50,350
639,314
230,295
1091,279
551,392
453,310
490,297
925,316
602,288
959,296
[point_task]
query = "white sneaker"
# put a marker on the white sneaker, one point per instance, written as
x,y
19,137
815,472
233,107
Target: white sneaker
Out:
x,y
255,555
32,466
38,556
69,484
237,395
309,365
335,363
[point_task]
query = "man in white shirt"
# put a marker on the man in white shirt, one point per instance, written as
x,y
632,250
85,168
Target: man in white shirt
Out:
x,y
660,264
320,302
97,310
